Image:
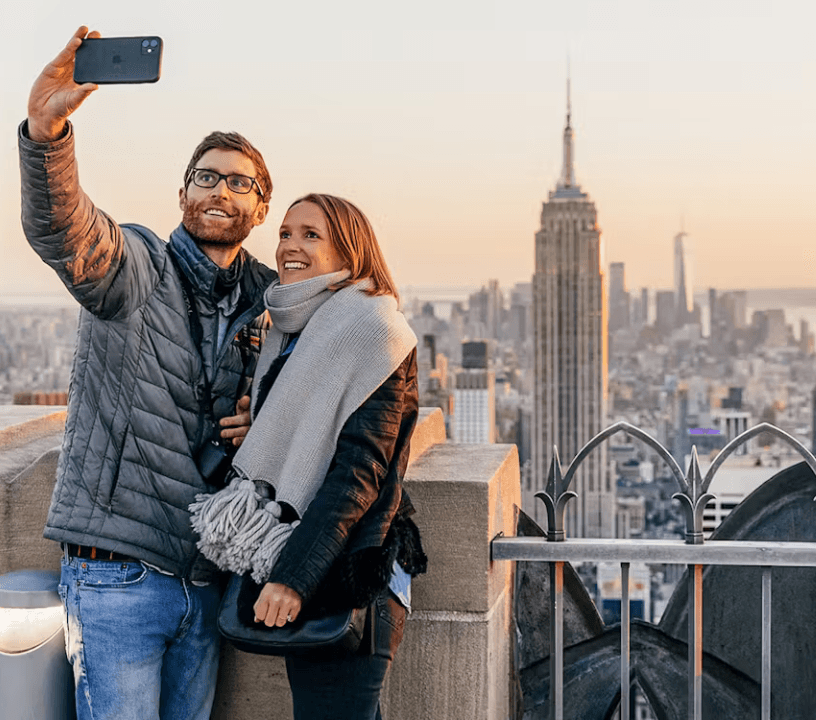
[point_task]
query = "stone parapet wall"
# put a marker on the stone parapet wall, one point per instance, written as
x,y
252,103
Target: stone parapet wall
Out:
x,y
455,660
29,450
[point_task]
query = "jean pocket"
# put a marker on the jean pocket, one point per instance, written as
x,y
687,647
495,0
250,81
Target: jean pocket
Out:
x,y
389,625
102,574
390,610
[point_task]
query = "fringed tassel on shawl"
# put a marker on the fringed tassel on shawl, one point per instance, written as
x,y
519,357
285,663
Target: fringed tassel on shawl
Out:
x,y
269,551
232,513
238,556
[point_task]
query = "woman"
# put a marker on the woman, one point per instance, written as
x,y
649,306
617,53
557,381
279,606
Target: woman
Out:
x,y
334,405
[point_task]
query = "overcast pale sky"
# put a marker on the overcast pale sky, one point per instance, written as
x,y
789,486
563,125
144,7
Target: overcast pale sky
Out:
x,y
442,120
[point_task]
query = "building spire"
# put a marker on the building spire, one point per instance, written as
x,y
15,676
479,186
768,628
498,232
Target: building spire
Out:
x,y
568,173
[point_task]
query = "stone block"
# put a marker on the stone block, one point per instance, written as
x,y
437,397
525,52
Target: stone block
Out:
x,y
28,465
429,431
251,686
464,495
453,665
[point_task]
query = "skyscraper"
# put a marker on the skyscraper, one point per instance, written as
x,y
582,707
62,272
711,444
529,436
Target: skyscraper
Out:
x,y
570,329
618,298
683,280
474,397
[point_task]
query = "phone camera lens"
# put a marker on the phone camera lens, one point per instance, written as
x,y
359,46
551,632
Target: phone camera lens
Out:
x,y
145,43
154,43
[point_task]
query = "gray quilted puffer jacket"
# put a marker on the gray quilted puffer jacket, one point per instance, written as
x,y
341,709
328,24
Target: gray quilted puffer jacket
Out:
x,y
126,474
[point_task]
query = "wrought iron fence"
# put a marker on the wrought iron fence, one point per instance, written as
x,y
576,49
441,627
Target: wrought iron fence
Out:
x,y
693,496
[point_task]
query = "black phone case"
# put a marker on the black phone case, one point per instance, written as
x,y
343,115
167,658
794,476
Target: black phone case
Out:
x,y
118,60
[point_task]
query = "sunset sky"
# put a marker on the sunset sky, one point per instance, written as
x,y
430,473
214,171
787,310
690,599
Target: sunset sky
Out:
x,y
442,120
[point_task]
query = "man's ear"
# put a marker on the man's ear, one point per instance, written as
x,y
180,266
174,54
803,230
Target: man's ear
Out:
x,y
260,213
182,199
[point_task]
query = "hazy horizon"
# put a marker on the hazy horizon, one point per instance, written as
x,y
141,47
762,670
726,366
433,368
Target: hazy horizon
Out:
x,y
756,297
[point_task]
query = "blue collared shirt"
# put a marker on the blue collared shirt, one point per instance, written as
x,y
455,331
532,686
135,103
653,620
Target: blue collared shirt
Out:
x,y
400,585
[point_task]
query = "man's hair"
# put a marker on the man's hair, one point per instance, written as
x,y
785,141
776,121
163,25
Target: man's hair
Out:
x,y
232,141
352,236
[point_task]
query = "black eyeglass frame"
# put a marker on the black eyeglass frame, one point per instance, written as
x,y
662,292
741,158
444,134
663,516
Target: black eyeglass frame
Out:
x,y
191,178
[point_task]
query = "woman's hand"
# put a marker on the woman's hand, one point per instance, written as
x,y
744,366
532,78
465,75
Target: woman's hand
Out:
x,y
277,605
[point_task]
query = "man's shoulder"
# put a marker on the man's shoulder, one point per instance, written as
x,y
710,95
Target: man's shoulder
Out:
x,y
145,235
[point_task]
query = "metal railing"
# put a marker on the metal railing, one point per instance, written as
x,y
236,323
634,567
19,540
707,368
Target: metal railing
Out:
x,y
693,496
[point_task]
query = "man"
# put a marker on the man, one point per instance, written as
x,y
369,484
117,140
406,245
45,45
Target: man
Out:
x,y
168,338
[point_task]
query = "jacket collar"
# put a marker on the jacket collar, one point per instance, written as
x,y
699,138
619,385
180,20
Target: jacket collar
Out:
x,y
199,269
202,271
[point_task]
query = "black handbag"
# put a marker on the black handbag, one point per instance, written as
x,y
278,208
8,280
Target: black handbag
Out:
x,y
334,633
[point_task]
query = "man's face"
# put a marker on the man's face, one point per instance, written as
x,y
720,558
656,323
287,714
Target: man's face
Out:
x,y
217,215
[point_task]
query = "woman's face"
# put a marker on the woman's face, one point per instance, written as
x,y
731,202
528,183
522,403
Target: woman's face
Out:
x,y
305,250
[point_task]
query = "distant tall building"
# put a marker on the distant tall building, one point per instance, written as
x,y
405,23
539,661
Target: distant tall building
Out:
x,y
665,311
732,309
521,312
713,317
474,397
618,298
644,305
805,337
770,328
485,310
570,369
683,280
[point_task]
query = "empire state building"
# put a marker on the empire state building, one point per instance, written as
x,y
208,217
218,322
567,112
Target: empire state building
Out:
x,y
570,331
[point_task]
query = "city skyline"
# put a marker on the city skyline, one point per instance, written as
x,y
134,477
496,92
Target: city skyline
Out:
x,y
442,123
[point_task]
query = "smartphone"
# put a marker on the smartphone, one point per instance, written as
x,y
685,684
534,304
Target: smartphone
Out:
x,y
118,60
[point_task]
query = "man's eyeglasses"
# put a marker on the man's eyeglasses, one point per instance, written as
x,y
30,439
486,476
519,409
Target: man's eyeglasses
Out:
x,y
241,184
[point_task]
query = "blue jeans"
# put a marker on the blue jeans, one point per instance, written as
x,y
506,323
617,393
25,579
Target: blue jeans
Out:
x,y
348,687
143,645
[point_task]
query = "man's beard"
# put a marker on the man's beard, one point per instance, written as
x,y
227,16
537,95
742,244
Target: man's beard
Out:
x,y
230,235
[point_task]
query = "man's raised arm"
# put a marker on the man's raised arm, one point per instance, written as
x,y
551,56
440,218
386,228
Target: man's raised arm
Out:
x,y
105,269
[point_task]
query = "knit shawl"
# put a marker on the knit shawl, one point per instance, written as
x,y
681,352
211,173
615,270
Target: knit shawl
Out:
x,y
350,343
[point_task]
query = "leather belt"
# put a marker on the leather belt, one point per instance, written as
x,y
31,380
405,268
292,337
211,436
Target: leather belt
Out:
x,y
94,553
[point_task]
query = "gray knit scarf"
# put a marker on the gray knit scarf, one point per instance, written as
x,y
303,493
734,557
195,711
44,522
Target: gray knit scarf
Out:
x,y
350,343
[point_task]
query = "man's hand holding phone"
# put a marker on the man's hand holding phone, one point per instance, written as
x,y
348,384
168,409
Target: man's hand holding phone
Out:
x,y
55,95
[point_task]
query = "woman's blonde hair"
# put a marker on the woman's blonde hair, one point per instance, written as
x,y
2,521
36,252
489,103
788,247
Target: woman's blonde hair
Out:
x,y
353,237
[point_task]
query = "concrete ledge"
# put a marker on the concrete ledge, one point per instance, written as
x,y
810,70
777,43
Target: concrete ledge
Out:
x,y
20,424
23,509
464,495
455,666
429,431
251,687
30,436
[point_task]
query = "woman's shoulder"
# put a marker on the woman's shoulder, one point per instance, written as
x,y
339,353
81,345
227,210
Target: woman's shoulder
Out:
x,y
377,314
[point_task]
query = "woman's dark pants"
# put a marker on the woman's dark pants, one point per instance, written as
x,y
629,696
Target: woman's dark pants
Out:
x,y
348,687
